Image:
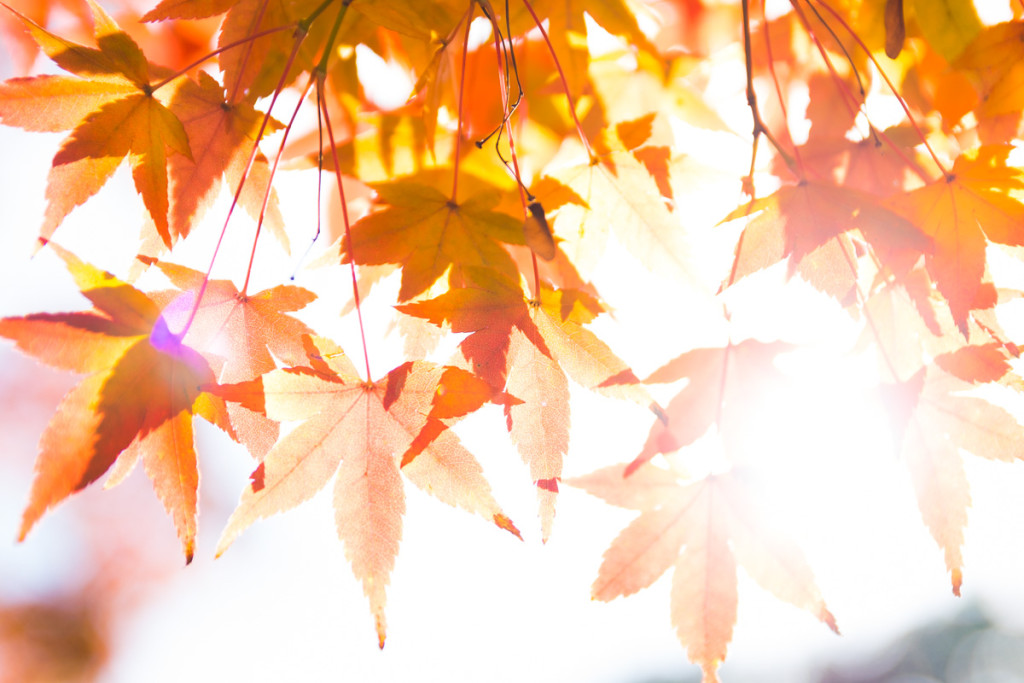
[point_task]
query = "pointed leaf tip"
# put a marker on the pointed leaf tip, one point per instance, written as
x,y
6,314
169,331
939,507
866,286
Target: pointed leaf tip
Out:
x,y
829,620
505,523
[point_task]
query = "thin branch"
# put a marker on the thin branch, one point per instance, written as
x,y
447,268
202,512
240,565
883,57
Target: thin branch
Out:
x,y
892,87
248,39
300,36
270,180
468,19
565,81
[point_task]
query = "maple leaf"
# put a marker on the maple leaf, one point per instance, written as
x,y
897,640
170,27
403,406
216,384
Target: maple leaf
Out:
x,y
703,528
802,221
539,425
726,384
959,212
489,306
527,347
356,431
427,232
615,191
237,330
137,400
222,135
124,118
237,333
993,59
934,420
507,350
863,163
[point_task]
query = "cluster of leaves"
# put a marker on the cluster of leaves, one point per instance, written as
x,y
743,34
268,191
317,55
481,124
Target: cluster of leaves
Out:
x,y
578,151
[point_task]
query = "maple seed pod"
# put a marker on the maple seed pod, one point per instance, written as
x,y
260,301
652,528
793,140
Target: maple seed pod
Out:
x,y
538,234
895,29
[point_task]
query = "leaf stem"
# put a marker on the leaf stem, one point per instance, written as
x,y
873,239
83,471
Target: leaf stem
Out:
x,y
320,76
299,37
899,98
345,220
224,48
782,105
270,180
565,81
759,127
321,69
468,19
321,66
506,123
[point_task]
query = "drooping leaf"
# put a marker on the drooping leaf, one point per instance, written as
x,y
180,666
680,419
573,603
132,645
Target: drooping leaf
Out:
x,y
616,193
939,421
974,203
527,348
122,117
240,335
355,432
704,528
561,317
725,385
800,221
222,136
489,307
539,424
428,233
137,401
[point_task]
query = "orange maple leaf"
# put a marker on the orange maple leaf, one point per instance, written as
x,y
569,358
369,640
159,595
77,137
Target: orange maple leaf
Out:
x,y
237,331
489,306
806,222
122,117
703,528
995,58
356,430
137,400
222,136
237,334
959,212
507,350
527,347
427,232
